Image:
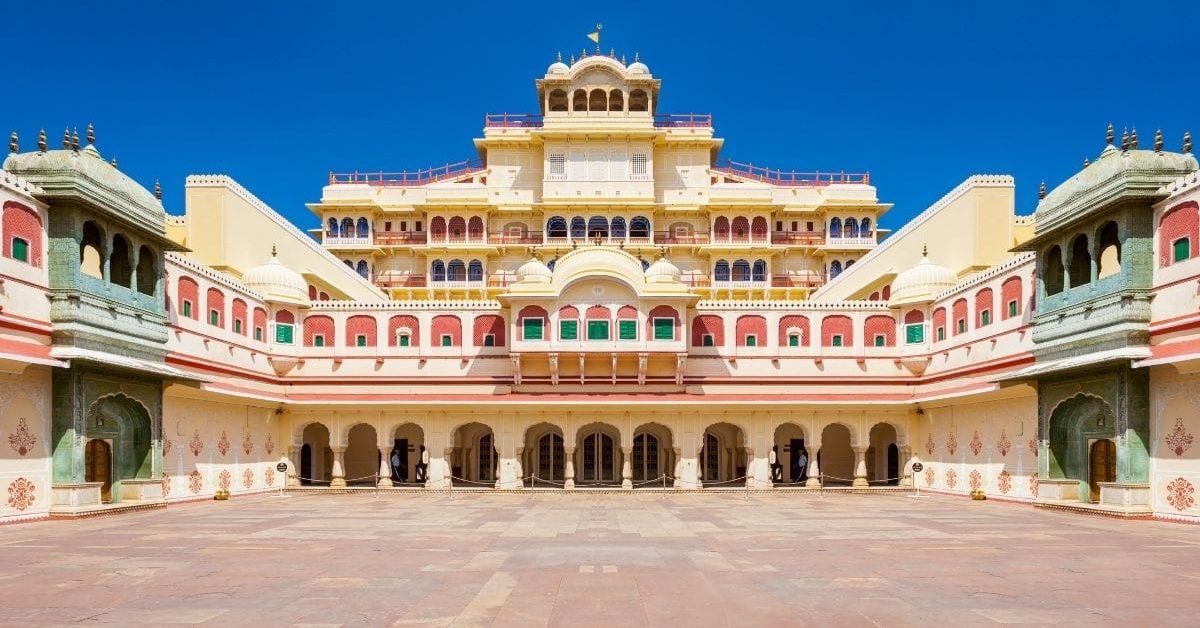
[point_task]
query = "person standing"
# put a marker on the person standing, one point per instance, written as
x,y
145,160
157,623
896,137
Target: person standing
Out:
x,y
803,459
395,465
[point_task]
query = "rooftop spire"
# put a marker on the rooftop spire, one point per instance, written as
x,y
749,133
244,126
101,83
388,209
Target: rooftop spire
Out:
x,y
1109,135
67,138
274,251
924,250
1042,190
559,58
1125,138
91,134
42,140
1086,163
1158,142
14,144
157,189
75,140
1133,141
114,161
636,56
1187,141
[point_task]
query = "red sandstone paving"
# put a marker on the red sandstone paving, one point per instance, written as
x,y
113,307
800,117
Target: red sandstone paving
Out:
x,y
600,560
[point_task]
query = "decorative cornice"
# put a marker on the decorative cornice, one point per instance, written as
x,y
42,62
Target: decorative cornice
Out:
x,y
987,275
212,275
19,185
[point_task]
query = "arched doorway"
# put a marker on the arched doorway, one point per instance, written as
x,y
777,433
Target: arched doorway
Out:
x,y
545,457
362,455
1076,425
474,455
723,454
97,460
652,456
883,456
315,447
597,455
407,454
791,455
1102,466
836,457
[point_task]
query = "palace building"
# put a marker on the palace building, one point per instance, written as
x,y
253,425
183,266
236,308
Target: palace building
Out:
x,y
599,299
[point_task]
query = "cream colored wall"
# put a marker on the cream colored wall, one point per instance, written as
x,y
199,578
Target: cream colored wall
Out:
x,y
1174,450
25,450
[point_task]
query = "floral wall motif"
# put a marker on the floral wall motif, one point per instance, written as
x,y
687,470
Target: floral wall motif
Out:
x,y
952,441
166,484
223,444
247,443
1181,494
975,479
1179,440
1033,446
269,445
168,445
269,476
196,444
1004,481
21,493
1003,445
929,444
248,478
195,482
1033,485
951,478
22,439
976,444
224,480
930,476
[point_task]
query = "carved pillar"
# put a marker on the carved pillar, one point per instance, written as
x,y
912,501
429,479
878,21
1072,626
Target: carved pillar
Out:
x,y
569,472
293,471
678,470
339,474
906,462
627,467
814,468
860,467
385,468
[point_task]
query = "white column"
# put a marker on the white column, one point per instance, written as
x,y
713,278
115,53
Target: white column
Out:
x,y
385,468
814,469
569,471
758,471
339,475
860,467
627,467
906,460
293,472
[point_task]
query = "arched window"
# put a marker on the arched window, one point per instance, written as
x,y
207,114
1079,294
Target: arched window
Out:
x,y
639,227
349,264
618,228
616,100
835,227
364,228
147,277
638,101
456,270
721,228
1052,270
1110,250
475,270
333,228
835,268
437,270
721,272
556,227
579,100
758,229
849,263
759,272
597,226
578,227
90,251
437,228
363,270
741,270
348,230
741,228
456,229
475,229
120,266
597,100
1081,262
864,229
851,228
558,100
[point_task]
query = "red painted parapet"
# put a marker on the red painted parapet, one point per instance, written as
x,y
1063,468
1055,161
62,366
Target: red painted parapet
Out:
x,y
406,178
788,178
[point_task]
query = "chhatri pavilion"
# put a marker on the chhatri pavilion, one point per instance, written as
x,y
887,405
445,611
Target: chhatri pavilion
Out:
x,y
598,300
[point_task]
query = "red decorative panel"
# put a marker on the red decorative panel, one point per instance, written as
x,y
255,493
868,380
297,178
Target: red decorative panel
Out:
x,y
913,317
887,292
260,320
959,310
239,313
837,326
318,325
794,321
447,324
662,311
939,320
488,324
984,300
627,311
533,311
189,291
404,321
708,324
22,222
750,325
1010,291
1178,222
285,317
214,299
598,313
880,325
312,293
361,325
566,312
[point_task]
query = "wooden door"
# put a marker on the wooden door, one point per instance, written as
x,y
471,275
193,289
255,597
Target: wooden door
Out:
x,y
1102,463
97,460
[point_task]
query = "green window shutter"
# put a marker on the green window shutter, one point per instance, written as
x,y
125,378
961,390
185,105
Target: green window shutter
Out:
x,y
751,340
914,334
360,341
283,333
941,333
447,340
664,329
794,340
20,250
237,326
318,341
627,329
489,340
1012,308
880,340
531,328
214,317
568,330
187,309
985,317
258,334
1183,249
597,330
962,326
403,340
708,340
837,341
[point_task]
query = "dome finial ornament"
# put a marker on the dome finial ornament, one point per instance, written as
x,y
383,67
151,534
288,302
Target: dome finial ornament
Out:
x,y
14,144
1109,135
559,57
583,55
1086,163
572,59
67,138
623,59
91,134
274,251
75,140
1158,142
157,189
114,161
1133,140
42,141
1187,142
636,56
924,250
1042,190
1125,138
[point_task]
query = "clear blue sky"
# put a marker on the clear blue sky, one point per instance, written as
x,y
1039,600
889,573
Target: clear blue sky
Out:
x,y
919,95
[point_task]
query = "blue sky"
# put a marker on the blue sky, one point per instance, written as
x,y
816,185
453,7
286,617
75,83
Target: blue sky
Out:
x,y
921,95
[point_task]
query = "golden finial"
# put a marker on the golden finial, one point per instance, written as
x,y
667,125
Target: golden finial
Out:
x,y
583,55
1133,141
75,140
924,250
42,140
274,251
1187,142
67,138
636,56
1158,143
1109,135
157,189
623,59
1125,138
91,134
1042,190
572,59
14,145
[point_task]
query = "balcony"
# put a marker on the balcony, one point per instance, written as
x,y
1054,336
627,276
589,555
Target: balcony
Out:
x,y
407,178
838,242
364,242
386,238
534,121
513,120
741,238
790,178
667,237
421,281
457,239
599,241
799,280
683,120
798,238
400,281
515,238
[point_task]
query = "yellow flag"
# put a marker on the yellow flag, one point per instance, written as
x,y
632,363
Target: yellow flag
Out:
x,y
594,36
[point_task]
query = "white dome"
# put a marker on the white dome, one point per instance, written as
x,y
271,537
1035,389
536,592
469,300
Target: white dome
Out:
x,y
921,283
278,283
637,67
662,271
534,271
558,67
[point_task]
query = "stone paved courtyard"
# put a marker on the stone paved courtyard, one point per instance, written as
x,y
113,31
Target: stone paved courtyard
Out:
x,y
600,560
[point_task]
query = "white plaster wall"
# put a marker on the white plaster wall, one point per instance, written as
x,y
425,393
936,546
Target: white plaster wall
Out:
x,y
25,451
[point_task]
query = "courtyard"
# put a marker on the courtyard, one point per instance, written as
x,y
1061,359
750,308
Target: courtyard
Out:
x,y
596,559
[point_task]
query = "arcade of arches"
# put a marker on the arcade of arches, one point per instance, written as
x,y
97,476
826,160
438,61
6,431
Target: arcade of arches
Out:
x,y
620,451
